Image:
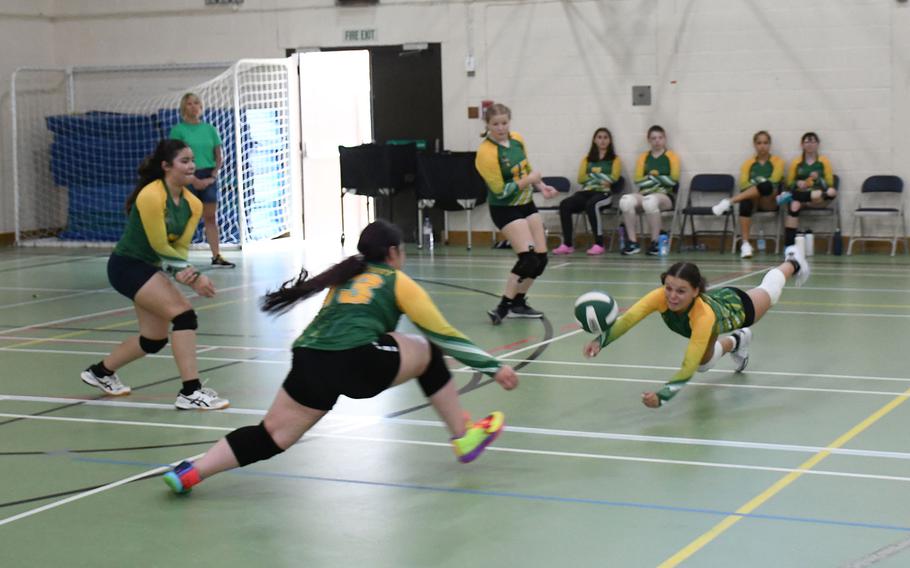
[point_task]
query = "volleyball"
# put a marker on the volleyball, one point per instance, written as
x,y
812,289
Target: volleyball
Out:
x,y
596,312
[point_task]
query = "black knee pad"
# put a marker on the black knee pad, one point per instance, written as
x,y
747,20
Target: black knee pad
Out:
x,y
151,345
827,197
526,265
765,188
251,444
802,196
186,320
745,208
437,374
541,263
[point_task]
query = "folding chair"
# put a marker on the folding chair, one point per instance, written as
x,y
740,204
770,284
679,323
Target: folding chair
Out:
x,y
830,211
774,218
563,186
880,197
704,191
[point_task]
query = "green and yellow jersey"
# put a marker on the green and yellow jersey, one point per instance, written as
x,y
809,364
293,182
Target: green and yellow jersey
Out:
x,y
800,171
711,314
158,229
501,167
599,175
754,172
657,175
370,304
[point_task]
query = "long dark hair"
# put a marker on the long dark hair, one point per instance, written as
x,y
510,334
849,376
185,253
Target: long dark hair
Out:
x,y
807,136
373,245
688,272
150,169
594,152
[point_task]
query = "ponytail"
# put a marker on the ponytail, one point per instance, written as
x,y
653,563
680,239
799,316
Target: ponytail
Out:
x,y
374,244
150,169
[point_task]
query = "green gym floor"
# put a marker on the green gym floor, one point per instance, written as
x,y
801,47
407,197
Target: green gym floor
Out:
x,y
803,460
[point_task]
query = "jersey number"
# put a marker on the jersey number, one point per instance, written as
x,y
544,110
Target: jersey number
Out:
x,y
361,290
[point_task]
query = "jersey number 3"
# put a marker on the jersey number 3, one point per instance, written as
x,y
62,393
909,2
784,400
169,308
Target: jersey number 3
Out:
x,y
361,290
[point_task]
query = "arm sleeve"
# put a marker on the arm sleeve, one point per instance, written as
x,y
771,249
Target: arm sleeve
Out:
x,y
182,244
674,166
487,164
777,174
829,172
583,171
151,206
417,305
652,301
640,168
745,182
174,134
701,321
617,169
791,174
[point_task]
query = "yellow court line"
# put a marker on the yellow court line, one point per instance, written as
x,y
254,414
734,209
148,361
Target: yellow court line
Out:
x,y
778,486
109,326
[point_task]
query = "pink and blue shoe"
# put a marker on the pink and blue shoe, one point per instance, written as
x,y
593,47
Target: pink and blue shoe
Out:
x,y
182,478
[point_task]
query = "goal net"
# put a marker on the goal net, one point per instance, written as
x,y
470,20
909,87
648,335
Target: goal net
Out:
x,y
79,135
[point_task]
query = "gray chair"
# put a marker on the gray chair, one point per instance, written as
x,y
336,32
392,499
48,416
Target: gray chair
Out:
x,y
761,219
830,212
880,197
704,191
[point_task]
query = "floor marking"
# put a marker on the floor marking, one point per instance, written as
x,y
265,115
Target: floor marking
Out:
x,y
55,298
757,501
881,554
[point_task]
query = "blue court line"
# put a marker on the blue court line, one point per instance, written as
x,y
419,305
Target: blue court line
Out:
x,y
532,497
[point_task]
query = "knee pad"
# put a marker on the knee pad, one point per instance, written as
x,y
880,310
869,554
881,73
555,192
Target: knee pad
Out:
x,y
627,203
251,444
186,320
437,373
526,265
151,345
773,284
765,188
541,263
793,210
651,204
827,197
715,357
745,208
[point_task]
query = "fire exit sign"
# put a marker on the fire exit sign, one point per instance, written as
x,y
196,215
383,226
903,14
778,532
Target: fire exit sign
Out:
x,y
360,35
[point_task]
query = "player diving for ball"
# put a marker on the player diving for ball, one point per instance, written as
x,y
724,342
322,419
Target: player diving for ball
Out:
x,y
704,316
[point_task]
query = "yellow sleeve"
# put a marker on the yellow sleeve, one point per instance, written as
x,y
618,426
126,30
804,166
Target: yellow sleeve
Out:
x,y
583,171
151,204
791,174
674,165
182,244
829,172
701,320
745,181
487,164
655,300
617,169
640,167
777,173
415,303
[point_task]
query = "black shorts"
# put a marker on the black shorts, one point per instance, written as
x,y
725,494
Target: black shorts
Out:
x,y
127,275
503,215
748,306
317,378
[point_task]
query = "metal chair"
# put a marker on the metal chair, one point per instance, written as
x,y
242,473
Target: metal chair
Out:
x,y
759,217
704,191
880,197
831,211
560,184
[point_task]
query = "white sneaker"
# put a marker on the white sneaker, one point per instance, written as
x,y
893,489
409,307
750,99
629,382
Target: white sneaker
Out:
x,y
110,385
202,399
793,253
746,250
722,207
740,355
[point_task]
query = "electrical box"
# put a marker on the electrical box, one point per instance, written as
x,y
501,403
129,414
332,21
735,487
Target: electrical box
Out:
x,y
641,95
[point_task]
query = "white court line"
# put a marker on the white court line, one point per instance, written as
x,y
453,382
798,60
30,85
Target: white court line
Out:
x,y
118,342
551,268
31,289
55,298
151,355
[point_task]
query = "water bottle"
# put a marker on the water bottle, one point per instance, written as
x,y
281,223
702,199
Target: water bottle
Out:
x,y
762,243
800,243
810,243
427,232
838,244
663,244
621,230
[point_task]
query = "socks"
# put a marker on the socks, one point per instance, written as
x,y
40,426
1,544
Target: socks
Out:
x,y
519,300
789,236
189,387
100,370
795,266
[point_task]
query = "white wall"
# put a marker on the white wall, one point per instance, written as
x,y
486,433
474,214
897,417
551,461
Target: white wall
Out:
x,y
719,69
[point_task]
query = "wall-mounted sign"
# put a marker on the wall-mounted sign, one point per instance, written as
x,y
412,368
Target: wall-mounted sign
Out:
x,y
360,35
223,2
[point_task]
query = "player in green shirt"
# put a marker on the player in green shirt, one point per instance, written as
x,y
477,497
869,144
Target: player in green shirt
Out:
x,y
759,182
656,175
502,162
597,174
351,349
203,138
162,217
810,183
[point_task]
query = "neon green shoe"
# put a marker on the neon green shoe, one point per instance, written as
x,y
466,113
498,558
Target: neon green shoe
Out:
x,y
478,436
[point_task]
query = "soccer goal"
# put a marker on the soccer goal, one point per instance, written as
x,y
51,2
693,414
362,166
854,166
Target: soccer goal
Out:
x,y
80,133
